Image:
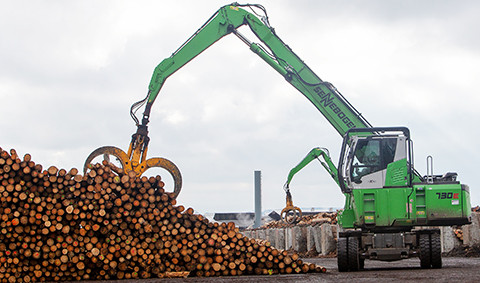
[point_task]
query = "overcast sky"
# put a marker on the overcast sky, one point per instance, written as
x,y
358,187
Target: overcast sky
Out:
x,y
70,70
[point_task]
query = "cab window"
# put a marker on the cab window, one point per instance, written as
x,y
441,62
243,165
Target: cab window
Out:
x,y
372,155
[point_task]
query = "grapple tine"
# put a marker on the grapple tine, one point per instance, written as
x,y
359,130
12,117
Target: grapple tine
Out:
x,y
290,214
109,150
167,165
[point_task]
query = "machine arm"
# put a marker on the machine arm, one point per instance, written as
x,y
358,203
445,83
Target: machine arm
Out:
x,y
225,21
341,114
291,213
326,98
315,153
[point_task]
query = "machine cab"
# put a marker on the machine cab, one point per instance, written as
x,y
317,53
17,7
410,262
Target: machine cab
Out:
x,y
375,158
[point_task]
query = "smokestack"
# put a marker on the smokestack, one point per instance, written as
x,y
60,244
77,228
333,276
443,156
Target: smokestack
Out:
x,y
258,199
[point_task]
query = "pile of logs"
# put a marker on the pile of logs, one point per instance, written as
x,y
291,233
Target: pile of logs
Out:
x,y
57,225
458,233
310,220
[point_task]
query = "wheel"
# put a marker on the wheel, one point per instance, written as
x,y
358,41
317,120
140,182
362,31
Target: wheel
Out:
x,y
353,255
436,250
342,254
424,243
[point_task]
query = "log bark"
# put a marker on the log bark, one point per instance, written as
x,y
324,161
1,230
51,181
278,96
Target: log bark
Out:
x,y
57,225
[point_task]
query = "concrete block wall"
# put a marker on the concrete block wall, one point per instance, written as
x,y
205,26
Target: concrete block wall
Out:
x,y
449,239
323,238
471,233
299,238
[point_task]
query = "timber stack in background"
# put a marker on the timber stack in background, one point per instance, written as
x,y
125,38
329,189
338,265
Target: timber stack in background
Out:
x,y
313,234
57,225
316,234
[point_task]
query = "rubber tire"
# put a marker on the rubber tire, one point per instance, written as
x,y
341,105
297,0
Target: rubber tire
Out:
x,y
353,255
424,245
436,250
342,254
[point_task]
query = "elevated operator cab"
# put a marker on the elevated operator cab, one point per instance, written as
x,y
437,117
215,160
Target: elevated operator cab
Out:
x,y
376,158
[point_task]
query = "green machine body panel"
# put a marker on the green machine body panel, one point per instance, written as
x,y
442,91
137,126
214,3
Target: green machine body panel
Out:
x,y
386,193
420,205
440,204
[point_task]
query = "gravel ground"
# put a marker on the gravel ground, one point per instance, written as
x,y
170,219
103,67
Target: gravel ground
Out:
x,y
455,269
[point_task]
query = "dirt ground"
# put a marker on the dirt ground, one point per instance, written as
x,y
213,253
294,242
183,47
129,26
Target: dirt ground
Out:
x,y
455,269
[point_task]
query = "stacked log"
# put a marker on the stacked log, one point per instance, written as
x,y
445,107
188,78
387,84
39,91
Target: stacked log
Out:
x,y
306,220
57,225
458,233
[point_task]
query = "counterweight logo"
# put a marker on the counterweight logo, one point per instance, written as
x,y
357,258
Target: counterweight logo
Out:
x,y
327,99
447,195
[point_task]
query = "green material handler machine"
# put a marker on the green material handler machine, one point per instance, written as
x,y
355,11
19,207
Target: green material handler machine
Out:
x,y
389,208
385,198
